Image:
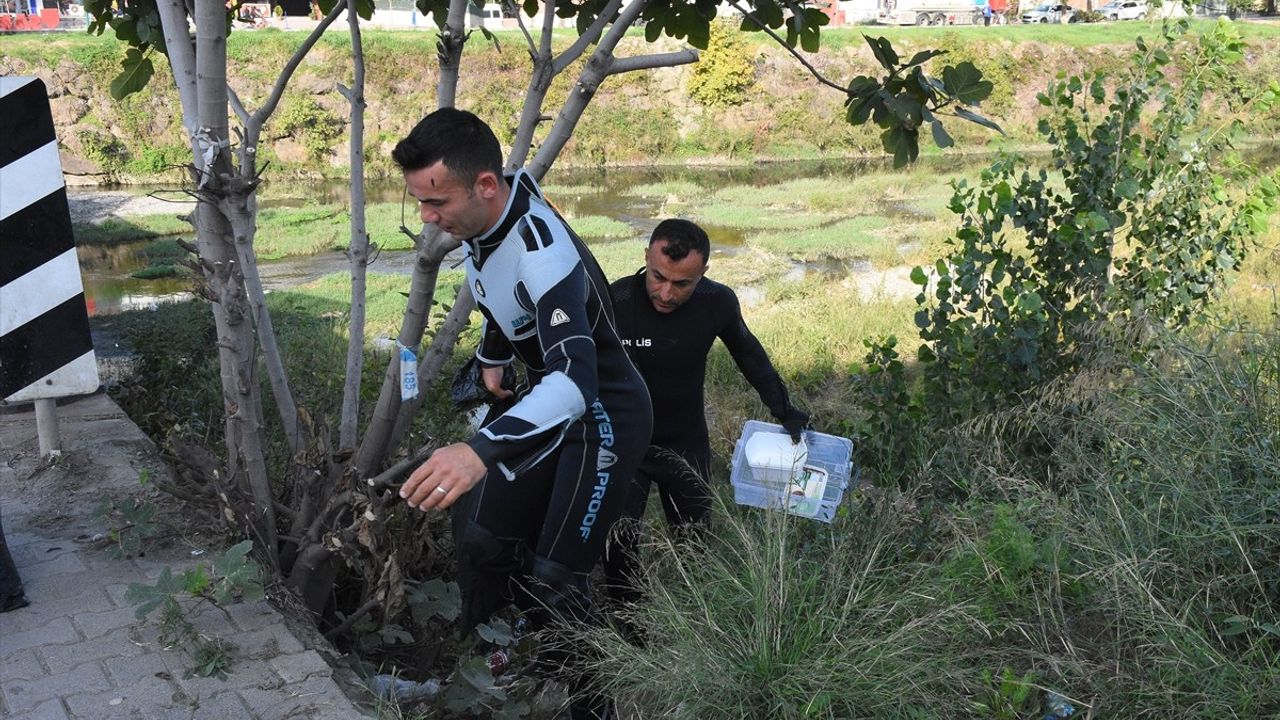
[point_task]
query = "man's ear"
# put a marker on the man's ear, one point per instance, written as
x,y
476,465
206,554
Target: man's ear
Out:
x,y
487,184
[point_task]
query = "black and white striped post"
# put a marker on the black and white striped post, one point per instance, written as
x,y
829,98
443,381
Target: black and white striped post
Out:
x,y
45,348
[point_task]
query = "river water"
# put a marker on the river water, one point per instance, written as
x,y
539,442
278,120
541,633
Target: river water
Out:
x,y
110,288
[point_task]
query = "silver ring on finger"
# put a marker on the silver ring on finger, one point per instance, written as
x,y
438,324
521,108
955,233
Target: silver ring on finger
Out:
x,y
441,490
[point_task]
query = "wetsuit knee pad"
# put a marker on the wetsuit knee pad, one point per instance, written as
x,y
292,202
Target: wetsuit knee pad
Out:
x,y
486,565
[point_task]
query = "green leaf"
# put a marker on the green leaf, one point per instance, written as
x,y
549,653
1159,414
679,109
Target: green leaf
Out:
x,y
940,136
965,83
976,118
1031,302
652,30
918,276
435,598
135,76
476,672
923,57
902,143
498,633
195,581
700,34
883,51
149,597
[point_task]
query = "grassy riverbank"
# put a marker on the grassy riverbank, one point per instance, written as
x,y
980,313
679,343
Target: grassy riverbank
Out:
x,y
634,119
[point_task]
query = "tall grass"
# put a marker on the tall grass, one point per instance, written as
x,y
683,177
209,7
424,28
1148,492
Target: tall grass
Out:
x,y
768,618
1113,540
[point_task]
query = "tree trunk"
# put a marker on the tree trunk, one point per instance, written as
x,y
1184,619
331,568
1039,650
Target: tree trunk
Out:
x,y
435,357
359,251
235,336
426,271
432,248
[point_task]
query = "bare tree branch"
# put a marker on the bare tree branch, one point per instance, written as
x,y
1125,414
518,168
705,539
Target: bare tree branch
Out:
x,y
253,129
799,58
649,62
579,46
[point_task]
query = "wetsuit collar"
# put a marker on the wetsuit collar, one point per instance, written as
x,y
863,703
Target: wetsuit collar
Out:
x,y
523,189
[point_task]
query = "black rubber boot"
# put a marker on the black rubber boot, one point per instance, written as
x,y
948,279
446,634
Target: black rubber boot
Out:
x,y
486,566
555,596
11,594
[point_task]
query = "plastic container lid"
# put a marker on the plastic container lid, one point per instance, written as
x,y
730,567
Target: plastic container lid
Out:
x,y
775,458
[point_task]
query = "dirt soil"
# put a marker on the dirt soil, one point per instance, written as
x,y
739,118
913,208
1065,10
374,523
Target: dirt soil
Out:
x,y
97,207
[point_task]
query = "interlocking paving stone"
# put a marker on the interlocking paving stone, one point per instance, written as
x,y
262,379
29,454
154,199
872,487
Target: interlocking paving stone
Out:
x,y
57,630
316,698
47,710
146,699
143,667
241,675
20,665
41,610
78,653
95,625
223,706
266,643
22,695
298,667
60,587
68,564
113,646
253,616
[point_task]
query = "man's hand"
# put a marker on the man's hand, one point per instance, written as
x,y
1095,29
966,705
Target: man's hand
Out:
x,y
446,476
794,423
492,377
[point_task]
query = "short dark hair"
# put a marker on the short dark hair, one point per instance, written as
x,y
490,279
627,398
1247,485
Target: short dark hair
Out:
x,y
458,138
683,237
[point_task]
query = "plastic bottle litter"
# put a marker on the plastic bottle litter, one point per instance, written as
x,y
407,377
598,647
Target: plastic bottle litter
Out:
x,y
390,687
1057,707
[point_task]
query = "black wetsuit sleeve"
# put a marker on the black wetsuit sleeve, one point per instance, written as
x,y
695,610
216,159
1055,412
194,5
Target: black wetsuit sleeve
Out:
x,y
752,360
571,380
494,347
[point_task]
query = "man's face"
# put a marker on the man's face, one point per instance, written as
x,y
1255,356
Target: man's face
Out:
x,y
461,210
668,282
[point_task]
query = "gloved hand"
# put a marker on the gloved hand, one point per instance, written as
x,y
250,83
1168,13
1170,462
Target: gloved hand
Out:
x,y
794,423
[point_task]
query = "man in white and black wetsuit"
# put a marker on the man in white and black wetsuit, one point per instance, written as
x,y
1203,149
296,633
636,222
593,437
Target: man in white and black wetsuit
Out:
x,y
669,315
546,478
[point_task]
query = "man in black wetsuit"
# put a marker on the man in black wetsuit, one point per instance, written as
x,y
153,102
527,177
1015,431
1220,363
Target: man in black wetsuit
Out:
x,y
668,315
545,480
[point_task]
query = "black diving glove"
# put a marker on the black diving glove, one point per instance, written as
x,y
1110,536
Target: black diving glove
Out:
x,y
795,422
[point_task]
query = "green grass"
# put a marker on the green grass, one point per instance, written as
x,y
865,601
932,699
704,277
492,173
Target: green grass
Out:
x,y
598,226
290,232
155,272
1073,34
859,237
684,189
114,230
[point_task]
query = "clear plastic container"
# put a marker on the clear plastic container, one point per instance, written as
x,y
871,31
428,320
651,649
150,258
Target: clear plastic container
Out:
x,y
766,473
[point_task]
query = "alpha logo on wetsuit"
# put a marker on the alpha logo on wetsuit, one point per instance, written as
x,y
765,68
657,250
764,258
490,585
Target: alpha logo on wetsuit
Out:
x,y
604,460
479,288
559,317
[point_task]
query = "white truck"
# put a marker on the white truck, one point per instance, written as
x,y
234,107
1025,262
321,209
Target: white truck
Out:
x,y
929,12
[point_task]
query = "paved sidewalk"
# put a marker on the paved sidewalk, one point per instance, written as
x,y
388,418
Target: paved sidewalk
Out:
x,y
77,650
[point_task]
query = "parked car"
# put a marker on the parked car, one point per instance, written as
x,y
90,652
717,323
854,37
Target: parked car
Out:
x,y
1124,10
1050,13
